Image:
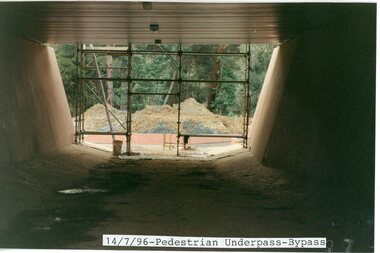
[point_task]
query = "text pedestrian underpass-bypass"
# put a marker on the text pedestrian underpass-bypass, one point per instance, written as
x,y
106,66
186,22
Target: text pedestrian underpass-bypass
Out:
x,y
212,242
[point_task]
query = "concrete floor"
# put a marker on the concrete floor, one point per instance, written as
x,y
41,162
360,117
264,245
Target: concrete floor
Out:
x,y
230,196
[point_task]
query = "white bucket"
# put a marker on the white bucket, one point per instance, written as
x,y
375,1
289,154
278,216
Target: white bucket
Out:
x,y
117,147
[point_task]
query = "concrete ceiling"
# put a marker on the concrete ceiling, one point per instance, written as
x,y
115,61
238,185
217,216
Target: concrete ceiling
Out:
x,y
194,23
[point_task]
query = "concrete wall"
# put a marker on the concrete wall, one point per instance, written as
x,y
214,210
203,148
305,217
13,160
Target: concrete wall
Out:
x,y
34,114
270,96
317,107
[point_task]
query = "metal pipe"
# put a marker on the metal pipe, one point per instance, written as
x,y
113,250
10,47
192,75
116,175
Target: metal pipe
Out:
x,y
214,81
106,51
190,135
169,56
101,67
81,101
101,133
82,109
126,79
129,100
153,93
161,80
188,53
179,97
76,90
213,54
124,52
154,52
215,135
247,97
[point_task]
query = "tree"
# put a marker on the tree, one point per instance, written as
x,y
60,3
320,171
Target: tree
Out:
x,y
261,55
66,58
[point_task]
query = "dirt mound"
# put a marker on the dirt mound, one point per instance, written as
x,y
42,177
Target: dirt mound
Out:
x,y
195,119
191,107
95,118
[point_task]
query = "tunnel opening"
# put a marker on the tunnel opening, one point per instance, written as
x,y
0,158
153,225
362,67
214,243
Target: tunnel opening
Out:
x,y
217,87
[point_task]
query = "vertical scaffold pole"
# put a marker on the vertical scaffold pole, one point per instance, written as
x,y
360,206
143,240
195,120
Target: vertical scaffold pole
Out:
x,y
79,98
76,101
179,97
129,101
247,97
83,64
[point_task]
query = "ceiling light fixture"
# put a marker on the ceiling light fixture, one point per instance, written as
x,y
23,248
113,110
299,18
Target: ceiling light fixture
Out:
x,y
147,6
154,27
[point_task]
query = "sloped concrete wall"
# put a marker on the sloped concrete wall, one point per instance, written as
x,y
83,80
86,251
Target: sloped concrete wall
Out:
x,y
34,114
324,118
270,96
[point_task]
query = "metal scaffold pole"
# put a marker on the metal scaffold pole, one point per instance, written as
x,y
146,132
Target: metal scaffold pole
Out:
x,y
129,101
76,90
79,98
82,100
179,97
247,96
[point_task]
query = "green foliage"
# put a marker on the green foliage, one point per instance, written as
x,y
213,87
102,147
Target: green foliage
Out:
x,y
260,56
66,57
222,98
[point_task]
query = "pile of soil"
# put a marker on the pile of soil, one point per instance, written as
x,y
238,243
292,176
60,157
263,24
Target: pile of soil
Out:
x,y
195,119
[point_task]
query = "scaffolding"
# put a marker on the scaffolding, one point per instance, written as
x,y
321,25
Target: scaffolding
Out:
x,y
82,88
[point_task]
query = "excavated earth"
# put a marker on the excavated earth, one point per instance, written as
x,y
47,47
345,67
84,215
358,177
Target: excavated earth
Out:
x,y
195,119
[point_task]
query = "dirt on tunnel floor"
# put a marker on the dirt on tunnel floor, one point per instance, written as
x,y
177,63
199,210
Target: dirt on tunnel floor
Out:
x,y
230,196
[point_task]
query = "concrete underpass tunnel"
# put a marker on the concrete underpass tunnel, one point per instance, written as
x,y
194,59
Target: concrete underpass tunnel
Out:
x,y
324,102
314,123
